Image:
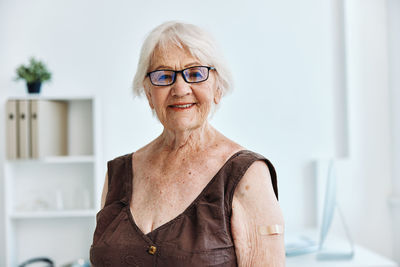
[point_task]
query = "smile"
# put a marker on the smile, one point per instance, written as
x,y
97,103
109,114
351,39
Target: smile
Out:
x,y
181,106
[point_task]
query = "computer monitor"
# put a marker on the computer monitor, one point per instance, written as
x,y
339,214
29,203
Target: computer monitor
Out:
x,y
330,205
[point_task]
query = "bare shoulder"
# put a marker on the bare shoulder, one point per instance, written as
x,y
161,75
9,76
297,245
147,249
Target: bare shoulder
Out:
x,y
254,196
141,155
256,183
255,207
144,150
226,146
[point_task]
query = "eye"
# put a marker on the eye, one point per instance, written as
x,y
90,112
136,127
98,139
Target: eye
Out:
x,y
195,74
164,77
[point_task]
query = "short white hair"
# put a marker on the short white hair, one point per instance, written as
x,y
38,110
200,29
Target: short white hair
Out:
x,y
199,43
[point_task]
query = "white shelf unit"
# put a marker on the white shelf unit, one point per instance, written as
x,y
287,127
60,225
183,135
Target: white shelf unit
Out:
x,y
51,202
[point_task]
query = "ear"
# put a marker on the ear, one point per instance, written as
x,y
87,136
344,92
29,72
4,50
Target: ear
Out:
x,y
217,96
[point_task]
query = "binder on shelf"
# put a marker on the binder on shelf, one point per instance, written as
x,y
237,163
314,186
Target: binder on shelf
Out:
x,y
28,180
49,128
12,129
24,146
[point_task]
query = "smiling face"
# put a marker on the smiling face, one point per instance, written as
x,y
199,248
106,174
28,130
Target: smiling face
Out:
x,y
180,106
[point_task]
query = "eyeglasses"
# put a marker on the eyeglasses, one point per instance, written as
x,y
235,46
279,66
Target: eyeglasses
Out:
x,y
194,74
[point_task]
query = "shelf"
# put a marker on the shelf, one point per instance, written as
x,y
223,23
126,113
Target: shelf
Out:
x,y
57,159
57,189
52,97
52,214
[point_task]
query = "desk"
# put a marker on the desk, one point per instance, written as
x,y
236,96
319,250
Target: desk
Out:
x,y
362,257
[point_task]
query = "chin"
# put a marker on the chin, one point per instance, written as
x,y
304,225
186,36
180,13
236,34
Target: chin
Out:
x,y
184,125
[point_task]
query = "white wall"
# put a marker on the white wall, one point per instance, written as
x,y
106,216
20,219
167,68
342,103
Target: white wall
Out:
x,y
92,47
2,133
365,177
393,8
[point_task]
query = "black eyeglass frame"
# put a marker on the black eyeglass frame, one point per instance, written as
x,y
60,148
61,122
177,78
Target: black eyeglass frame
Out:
x,y
181,72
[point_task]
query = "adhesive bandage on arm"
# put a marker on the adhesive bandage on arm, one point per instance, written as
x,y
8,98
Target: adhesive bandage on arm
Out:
x,y
274,229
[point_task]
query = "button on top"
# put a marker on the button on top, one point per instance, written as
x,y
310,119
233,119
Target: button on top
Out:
x,y
152,250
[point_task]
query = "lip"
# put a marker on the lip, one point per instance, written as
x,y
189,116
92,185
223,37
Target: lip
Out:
x,y
192,104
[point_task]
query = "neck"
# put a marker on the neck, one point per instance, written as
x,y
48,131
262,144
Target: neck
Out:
x,y
192,139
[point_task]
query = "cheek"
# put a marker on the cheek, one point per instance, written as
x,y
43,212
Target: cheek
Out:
x,y
150,100
206,98
211,95
149,95
157,98
159,102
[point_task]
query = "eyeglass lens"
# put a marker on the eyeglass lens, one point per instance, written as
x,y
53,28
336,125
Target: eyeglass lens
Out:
x,y
190,75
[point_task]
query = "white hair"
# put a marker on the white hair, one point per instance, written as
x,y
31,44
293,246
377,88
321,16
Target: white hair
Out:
x,y
199,43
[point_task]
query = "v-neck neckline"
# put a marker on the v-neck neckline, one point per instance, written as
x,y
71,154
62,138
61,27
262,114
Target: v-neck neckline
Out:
x,y
164,225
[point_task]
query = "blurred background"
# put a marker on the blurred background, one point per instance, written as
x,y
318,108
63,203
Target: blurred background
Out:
x,y
314,80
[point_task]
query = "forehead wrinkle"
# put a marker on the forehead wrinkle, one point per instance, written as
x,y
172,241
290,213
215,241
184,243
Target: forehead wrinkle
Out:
x,y
161,56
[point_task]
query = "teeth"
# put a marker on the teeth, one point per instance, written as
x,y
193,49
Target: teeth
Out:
x,y
182,106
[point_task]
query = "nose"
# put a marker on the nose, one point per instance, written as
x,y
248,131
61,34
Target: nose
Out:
x,y
180,87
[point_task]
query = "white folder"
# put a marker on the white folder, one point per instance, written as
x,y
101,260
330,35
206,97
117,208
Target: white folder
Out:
x,y
12,129
24,129
49,128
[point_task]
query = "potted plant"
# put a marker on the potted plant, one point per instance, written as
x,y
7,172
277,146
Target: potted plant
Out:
x,y
34,74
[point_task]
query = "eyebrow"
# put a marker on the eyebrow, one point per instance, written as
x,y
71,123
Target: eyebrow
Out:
x,y
170,68
192,64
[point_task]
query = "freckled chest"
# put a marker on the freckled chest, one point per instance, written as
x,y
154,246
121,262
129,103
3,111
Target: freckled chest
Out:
x,y
162,191
158,183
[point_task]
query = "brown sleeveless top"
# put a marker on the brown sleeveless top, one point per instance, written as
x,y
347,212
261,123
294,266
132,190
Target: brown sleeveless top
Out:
x,y
199,236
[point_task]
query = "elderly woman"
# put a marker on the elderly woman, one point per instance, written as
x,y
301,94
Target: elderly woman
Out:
x,y
191,197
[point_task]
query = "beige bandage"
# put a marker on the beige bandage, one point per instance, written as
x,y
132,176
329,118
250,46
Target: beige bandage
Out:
x,y
274,229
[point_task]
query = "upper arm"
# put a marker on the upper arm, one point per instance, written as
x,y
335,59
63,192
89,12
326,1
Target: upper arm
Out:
x,y
104,193
254,204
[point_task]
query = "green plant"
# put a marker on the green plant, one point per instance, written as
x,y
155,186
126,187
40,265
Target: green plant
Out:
x,y
36,71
